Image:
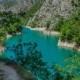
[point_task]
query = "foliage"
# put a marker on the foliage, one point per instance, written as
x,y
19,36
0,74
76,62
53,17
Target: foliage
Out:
x,y
10,22
70,71
75,3
73,64
70,30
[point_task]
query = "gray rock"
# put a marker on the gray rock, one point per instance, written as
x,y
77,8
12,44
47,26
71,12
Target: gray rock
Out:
x,y
8,73
16,5
52,11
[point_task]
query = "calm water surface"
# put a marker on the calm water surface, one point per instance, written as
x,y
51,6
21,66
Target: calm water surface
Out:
x,y
52,54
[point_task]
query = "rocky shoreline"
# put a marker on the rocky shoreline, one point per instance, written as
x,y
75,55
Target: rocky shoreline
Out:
x,y
47,32
67,45
44,31
54,33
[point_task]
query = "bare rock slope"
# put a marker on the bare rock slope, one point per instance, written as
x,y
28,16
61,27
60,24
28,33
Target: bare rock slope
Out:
x,y
51,12
16,5
8,73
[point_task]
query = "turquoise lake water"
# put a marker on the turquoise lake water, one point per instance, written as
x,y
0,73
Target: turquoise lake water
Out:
x,y
52,54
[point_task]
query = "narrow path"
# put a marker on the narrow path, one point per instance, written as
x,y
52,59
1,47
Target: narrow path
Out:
x,y
8,73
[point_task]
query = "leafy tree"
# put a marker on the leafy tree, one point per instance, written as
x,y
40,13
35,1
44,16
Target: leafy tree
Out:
x,y
70,30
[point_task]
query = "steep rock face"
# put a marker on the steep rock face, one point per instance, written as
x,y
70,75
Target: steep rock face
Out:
x,y
16,5
51,12
8,73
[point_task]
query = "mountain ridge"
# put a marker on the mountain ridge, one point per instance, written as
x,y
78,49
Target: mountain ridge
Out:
x,y
16,5
51,12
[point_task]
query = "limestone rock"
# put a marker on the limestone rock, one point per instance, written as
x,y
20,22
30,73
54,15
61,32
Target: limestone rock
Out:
x,y
51,12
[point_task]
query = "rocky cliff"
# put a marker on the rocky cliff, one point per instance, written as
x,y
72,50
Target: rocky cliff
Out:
x,y
48,15
51,12
9,72
16,5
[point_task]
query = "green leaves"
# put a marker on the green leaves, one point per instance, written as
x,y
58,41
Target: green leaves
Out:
x,y
70,30
10,22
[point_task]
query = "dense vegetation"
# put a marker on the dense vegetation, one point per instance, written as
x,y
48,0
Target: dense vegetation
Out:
x,y
70,28
10,23
71,70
